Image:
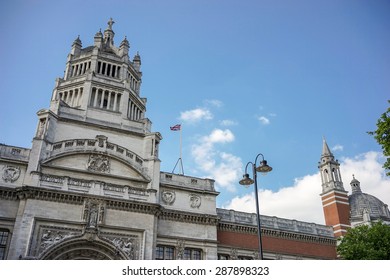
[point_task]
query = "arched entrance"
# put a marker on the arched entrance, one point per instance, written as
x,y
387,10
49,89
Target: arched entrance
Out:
x,y
83,249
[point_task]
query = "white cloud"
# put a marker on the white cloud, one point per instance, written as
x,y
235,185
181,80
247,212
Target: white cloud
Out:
x,y
220,136
221,166
338,147
264,120
196,115
301,201
214,102
228,122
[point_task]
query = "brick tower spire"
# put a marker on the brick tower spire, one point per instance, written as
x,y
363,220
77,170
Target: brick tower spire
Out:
x,y
334,198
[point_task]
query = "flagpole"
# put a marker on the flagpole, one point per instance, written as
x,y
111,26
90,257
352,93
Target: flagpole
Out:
x,y
175,128
180,145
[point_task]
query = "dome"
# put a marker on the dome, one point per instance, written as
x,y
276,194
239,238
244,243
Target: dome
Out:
x,y
366,207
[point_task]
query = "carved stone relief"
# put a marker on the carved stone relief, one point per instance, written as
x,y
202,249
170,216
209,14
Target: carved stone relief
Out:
x,y
11,173
49,237
98,163
168,197
233,254
195,201
93,213
180,245
129,245
102,140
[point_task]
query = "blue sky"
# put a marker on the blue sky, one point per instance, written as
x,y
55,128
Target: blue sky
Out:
x,y
242,77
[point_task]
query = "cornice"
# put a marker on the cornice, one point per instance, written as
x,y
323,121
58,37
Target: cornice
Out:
x,y
187,217
276,233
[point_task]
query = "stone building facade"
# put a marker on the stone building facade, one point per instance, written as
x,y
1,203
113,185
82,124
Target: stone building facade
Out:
x,y
90,187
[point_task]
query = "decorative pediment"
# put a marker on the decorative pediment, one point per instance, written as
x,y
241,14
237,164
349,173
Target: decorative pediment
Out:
x,y
101,149
94,165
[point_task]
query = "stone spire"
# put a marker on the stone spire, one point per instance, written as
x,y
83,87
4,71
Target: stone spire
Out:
x,y
98,39
325,149
137,62
330,170
109,33
76,46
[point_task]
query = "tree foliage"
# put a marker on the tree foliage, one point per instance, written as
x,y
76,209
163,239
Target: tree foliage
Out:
x,y
366,242
382,136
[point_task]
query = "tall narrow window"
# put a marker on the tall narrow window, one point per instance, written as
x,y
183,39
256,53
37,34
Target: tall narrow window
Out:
x,y
118,102
104,68
3,243
99,67
108,69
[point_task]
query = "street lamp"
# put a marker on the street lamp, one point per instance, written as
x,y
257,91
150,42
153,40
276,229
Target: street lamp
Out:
x,y
247,181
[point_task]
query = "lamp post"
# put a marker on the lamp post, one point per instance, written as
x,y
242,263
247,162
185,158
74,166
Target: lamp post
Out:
x,y
247,181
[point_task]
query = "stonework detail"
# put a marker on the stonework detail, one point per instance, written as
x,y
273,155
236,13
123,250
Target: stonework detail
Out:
x,y
50,237
129,245
98,163
180,246
234,254
168,197
93,213
195,201
11,173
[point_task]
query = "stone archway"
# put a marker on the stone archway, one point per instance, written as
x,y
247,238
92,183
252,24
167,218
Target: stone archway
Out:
x,y
83,249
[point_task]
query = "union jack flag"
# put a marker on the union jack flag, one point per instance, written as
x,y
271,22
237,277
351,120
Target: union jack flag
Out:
x,y
176,127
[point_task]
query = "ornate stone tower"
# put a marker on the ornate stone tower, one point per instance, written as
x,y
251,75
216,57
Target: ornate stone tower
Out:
x,y
97,106
94,151
334,198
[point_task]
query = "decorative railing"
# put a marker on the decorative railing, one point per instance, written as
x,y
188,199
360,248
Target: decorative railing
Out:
x,y
275,223
66,183
98,144
13,152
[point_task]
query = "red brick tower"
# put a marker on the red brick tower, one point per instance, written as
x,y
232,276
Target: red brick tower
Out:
x,y
334,197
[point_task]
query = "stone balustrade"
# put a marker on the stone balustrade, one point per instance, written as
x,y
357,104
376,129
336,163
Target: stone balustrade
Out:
x,y
97,144
15,153
275,223
138,191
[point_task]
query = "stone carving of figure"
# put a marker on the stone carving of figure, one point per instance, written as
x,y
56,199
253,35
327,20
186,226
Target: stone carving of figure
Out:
x,y
93,215
110,23
101,213
180,249
41,127
127,245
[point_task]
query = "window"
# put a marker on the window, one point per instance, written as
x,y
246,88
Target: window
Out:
x,y
3,242
192,254
165,253
223,257
245,258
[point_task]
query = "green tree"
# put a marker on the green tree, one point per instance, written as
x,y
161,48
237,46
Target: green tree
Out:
x,y
382,136
366,242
